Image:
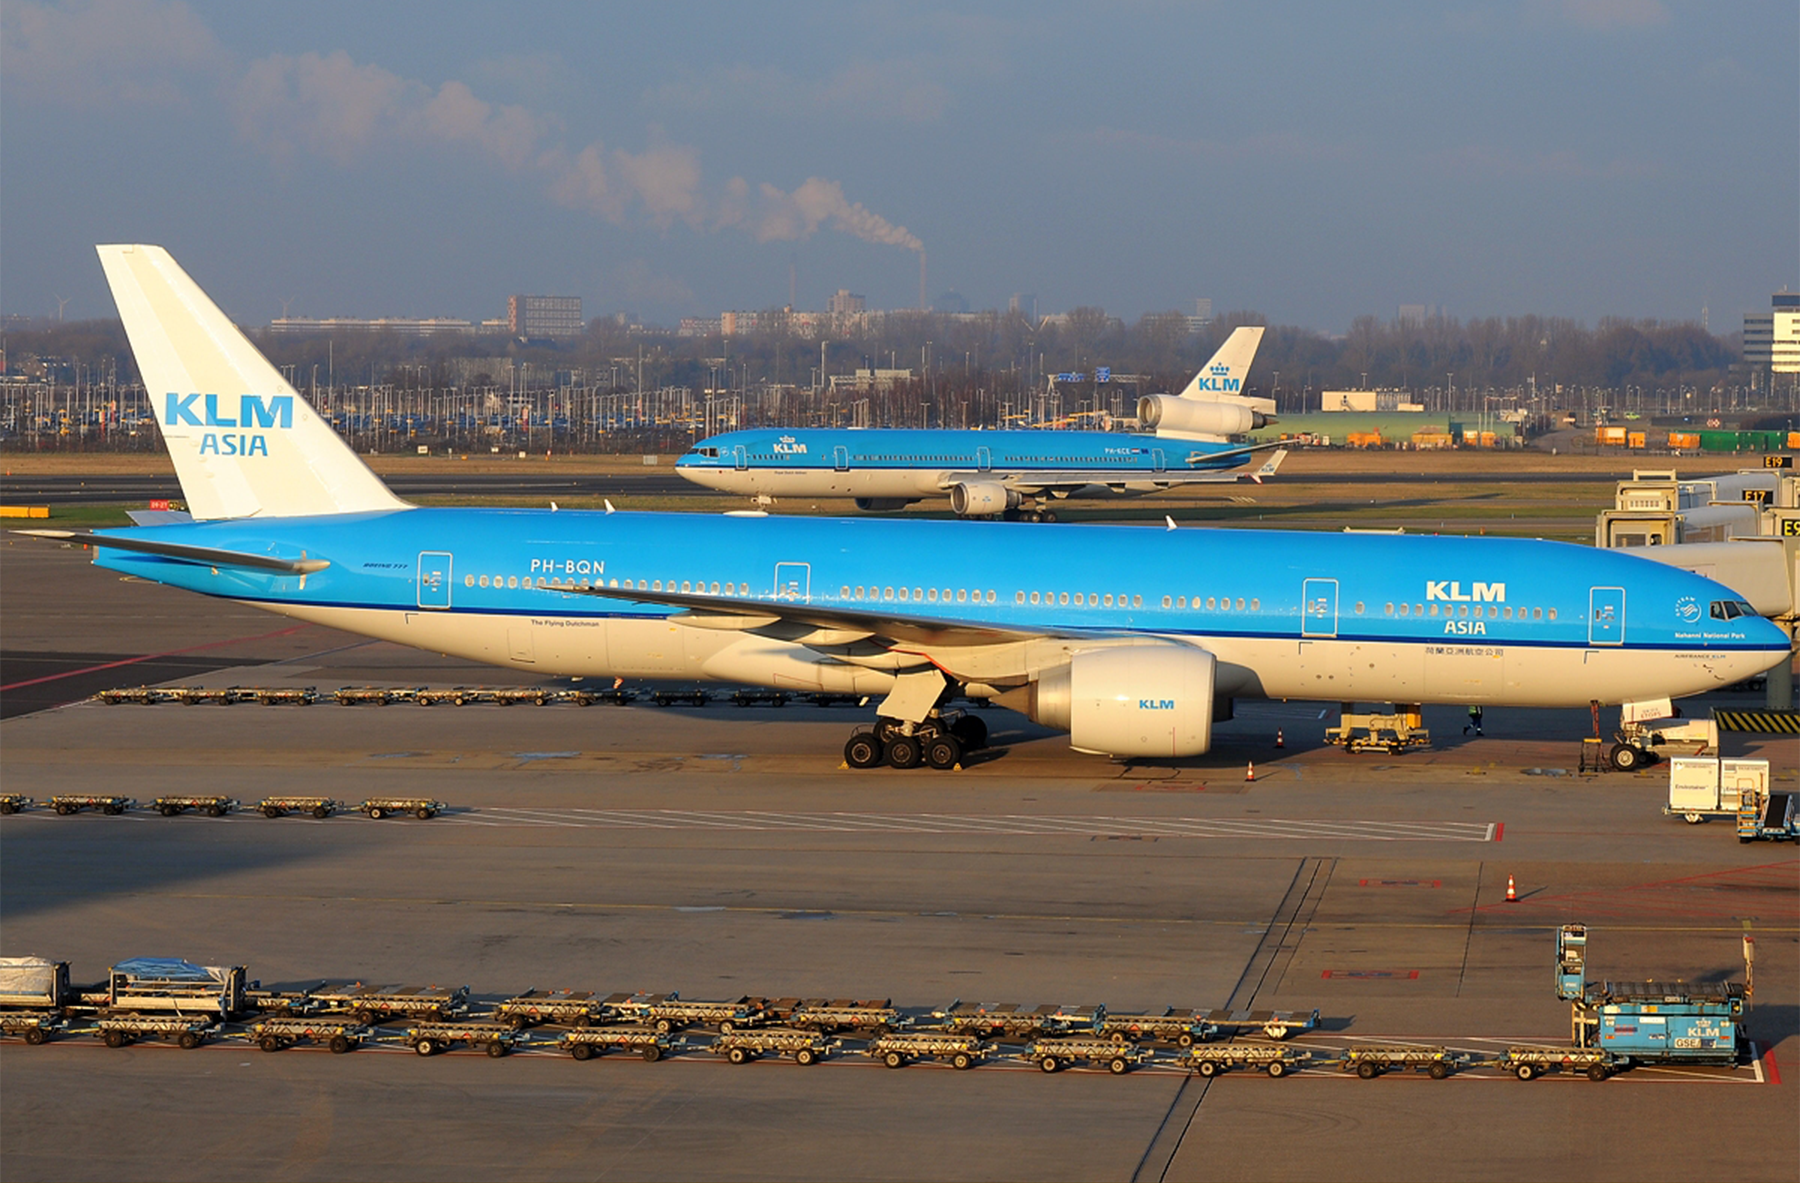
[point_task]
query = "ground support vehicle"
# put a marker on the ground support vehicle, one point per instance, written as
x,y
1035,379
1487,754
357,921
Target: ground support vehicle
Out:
x,y
1370,1061
759,698
584,1043
374,696
73,803
1636,742
461,696
1529,1063
275,1035
742,1046
1650,1022
541,696
576,1008
1008,1019
285,696
15,802
876,1015
124,1030
671,1012
422,808
829,699
1182,1027
219,696
1052,1055
428,1039
210,806
319,807
33,1027
901,1048
1767,816
1210,1059
615,697
669,698
146,985
379,1004
1396,733
138,695
1276,1024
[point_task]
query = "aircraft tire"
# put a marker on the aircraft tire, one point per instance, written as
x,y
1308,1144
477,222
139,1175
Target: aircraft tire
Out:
x,y
1626,758
863,750
903,752
970,731
943,752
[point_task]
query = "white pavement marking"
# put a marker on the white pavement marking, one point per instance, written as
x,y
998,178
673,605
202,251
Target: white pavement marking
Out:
x,y
1002,824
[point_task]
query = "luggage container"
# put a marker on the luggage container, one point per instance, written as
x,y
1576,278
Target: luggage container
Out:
x,y
743,1046
276,1035
34,984
423,808
210,806
900,1048
151,984
429,1039
1053,1055
584,1043
318,807
69,804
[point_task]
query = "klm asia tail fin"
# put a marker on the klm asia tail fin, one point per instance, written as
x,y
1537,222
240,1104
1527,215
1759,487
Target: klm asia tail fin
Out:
x,y
244,442
1222,378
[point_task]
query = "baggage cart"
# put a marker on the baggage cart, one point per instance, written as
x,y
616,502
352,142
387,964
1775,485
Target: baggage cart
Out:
x,y
743,1046
34,1027
534,695
576,1008
759,698
616,697
369,696
1275,1024
422,808
900,1048
1181,1027
671,1012
137,695
373,1005
319,807
1210,1059
1053,1055
669,698
584,1043
1371,1060
210,806
276,1035
219,696
1529,1063
34,984
279,1002
124,1030
151,984
68,804
460,696
428,1039
830,1016
825,698
15,803
284,696
1008,1019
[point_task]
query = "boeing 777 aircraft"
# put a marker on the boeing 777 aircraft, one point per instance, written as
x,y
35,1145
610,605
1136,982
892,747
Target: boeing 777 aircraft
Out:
x,y
1133,640
1010,474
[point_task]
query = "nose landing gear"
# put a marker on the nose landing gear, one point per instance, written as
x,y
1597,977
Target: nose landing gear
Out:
x,y
939,742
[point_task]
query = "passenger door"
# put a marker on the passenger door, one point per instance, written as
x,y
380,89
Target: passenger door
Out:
x,y
840,458
740,459
793,581
984,459
1318,608
1606,616
434,579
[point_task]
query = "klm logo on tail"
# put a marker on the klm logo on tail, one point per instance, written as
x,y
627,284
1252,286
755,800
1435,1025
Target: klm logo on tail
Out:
x,y
253,411
1218,380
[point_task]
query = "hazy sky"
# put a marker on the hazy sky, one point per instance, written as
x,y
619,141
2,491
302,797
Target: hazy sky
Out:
x,y
1311,161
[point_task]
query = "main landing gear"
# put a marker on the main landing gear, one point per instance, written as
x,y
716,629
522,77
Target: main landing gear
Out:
x,y
938,742
1027,514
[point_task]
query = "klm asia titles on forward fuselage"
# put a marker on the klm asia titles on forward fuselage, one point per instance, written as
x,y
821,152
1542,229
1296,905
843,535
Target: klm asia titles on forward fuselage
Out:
x,y
254,411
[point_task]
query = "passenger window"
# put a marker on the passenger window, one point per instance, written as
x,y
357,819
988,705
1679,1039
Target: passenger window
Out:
x,y
540,581
990,597
1109,600
1063,599
1181,601
1166,601
1552,614
1390,608
657,586
1211,603
1137,601
1359,607
961,595
512,581
887,593
918,593
1240,606
1537,614
1405,609
484,581
1018,597
860,592
1508,613
1256,605
933,595
715,589
685,586
1434,609
844,592
903,595
1034,597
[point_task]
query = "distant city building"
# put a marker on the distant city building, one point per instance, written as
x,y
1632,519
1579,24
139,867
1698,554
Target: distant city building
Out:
x,y
1772,339
1025,304
1202,316
700,326
1367,400
544,316
403,326
950,301
847,301
871,379
1418,314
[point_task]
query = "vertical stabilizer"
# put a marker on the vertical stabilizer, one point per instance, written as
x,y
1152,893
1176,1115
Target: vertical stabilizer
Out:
x,y
244,442
1222,378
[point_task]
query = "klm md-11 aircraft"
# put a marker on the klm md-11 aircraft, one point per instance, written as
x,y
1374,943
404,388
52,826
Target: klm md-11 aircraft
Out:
x,y
1010,474
1133,640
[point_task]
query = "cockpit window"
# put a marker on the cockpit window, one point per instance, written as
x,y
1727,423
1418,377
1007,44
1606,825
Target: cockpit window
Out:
x,y
709,453
1731,609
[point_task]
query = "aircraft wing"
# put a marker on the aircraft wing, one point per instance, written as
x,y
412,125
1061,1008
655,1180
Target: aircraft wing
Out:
x,y
204,556
1029,481
816,624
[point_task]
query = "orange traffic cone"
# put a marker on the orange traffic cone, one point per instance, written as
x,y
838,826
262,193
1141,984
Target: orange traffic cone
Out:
x,y
1279,742
1250,770
1512,893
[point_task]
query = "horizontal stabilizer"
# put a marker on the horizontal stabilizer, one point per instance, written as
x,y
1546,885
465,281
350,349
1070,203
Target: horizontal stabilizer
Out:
x,y
159,517
204,556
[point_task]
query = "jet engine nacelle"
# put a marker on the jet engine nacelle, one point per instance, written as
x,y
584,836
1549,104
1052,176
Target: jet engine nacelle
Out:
x,y
1134,700
1192,416
975,498
882,504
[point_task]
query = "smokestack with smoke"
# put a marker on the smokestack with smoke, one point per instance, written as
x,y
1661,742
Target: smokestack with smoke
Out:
x,y
921,279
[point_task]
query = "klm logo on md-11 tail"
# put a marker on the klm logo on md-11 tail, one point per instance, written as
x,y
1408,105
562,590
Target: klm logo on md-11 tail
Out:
x,y
252,411
1218,380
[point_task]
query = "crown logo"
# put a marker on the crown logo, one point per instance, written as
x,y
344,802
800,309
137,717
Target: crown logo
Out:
x,y
1219,371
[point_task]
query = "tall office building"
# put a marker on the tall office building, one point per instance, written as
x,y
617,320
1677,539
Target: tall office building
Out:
x,y
544,316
